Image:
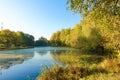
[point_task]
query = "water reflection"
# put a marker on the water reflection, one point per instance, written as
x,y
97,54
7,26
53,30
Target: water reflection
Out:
x,y
18,64
42,53
76,56
13,57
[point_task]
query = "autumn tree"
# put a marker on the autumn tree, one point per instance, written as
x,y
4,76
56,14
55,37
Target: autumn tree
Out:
x,y
75,35
86,7
11,39
104,15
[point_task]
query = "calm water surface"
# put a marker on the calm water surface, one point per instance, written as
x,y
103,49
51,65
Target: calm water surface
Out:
x,y
23,63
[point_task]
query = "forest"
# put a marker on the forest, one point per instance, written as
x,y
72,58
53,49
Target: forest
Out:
x,y
98,31
10,39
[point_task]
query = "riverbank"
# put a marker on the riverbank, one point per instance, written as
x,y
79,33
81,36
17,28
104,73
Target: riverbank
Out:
x,y
83,67
3,49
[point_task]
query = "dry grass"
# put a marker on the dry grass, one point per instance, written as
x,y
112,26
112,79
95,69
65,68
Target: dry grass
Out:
x,y
83,67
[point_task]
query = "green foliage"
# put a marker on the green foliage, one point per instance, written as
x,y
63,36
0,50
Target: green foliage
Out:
x,y
98,31
24,39
75,35
42,42
95,7
82,66
2,46
64,36
82,36
61,38
55,39
10,39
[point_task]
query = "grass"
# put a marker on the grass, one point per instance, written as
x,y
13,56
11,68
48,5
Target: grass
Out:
x,y
77,66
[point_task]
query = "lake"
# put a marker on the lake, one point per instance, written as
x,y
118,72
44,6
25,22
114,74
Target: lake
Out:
x,y
21,64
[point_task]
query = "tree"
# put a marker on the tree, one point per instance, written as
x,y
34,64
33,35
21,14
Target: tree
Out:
x,y
28,40
11,39
75,35
41,42
64,36
102,17
6,37
86,7
20,38
55,39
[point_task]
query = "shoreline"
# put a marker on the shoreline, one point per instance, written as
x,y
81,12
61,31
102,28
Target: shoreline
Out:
x,y
15,48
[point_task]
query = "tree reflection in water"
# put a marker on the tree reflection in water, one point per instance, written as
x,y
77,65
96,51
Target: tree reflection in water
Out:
x,y
13,57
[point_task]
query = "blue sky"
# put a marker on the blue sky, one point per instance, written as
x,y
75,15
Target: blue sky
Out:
x,y
36,17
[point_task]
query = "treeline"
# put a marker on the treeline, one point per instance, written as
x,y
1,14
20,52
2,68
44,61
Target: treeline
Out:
x,y
98,31
42,41
11,39
91,35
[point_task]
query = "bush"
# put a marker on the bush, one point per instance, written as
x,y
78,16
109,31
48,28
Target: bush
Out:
x,y
2,46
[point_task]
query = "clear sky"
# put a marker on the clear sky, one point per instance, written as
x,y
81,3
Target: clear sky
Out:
x,y
36,17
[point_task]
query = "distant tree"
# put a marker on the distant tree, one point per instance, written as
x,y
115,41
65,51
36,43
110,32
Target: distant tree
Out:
x,y
6,37
60,38
55,39
65,36
20,38
28,40
41,42
11,39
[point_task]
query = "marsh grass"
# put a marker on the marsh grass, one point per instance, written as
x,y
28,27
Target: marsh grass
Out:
x,y
83,67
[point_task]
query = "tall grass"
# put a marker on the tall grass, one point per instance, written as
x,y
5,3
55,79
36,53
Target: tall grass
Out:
x,y
83,67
